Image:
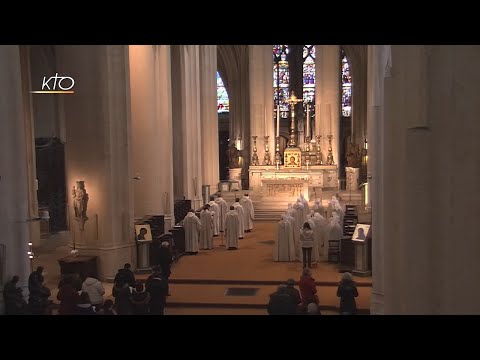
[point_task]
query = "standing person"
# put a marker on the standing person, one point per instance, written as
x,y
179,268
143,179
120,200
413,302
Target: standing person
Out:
x,y
347,292
157,286
206,231
140,300
165,259
284,249
223,209
241,218
308,289
248,212
306,243
318,207
35,279
126,274
94,288
192,226
215,209
121,292
281,303
294,293
232,223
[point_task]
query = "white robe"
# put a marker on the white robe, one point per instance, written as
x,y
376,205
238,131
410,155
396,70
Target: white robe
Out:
x,y
192,226
216,217
232,224
206,232
292,217
305,204
320,232
315,257
317,207
241,228
248,212
223,209
284,249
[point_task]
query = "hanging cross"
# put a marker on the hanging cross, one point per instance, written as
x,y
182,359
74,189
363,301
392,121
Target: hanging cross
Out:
x,y
292,100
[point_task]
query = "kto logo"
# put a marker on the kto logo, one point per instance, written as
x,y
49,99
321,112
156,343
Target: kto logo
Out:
x,y
56,85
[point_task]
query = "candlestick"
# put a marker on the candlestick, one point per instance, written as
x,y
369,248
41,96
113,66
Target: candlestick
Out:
x,y
278,120
293,101
278,156
308,119
330,154
319,160
255,155
266,157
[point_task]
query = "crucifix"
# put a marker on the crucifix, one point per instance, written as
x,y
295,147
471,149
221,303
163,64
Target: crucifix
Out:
x,y
292,100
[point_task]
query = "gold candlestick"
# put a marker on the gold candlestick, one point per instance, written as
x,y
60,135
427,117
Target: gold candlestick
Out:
x,y
330,154
307,143
278,156
266,157
319,160
293,101
255,160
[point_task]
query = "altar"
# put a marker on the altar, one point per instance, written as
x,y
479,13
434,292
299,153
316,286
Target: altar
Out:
x,y
282,182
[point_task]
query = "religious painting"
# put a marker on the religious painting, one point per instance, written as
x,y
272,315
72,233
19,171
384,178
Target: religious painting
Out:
x,y
143,232
361,232
292,158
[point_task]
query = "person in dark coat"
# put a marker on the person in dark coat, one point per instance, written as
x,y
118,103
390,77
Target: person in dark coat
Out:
x,y
38,302
157,286
294,293
281,303
165,259
84,306
68,297
15,304
347,292
126,274
140,300
35,280
121,292
308,290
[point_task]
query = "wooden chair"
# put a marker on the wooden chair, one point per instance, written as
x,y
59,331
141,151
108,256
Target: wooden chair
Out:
x,y
334,251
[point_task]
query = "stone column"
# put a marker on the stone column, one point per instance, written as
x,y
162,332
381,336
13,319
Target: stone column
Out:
x,y
98,151
187,146
209,116
378,63
328,79
151,111
261,99
359,95
431,127
17,165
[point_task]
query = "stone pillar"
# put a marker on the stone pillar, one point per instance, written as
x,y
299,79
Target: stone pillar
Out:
x,y
431,127
328,79
359,95
261,99
151,112
17,165
378,64
98,151
209,116
187,145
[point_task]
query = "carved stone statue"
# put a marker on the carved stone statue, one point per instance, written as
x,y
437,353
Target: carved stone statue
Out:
x,y
80,201
233,157
353,155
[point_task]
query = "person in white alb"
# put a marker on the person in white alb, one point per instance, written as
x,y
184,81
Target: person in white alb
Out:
x,y
239,210
206,232
248,213
216,216
284,249
192,226
223,209
232,224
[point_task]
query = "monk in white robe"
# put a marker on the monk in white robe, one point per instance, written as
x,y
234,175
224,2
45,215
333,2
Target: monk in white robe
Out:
x,y
335,232
284,249
316,244
318,207
232,224
223,209
241,217
305,204
206,232
248,213
320,232
216,216
192,226
296,226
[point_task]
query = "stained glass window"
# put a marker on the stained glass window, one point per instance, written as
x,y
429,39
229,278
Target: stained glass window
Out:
x,y
281,78
309,75
346,87
222,96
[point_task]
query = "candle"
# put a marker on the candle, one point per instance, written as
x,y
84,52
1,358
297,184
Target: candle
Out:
x,y
265,120
308,120
278,120
329,118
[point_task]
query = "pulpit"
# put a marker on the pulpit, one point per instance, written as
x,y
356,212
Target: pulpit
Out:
x,y
362,254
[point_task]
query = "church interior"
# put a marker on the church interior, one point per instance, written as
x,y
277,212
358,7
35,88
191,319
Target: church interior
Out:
x,y
110,153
